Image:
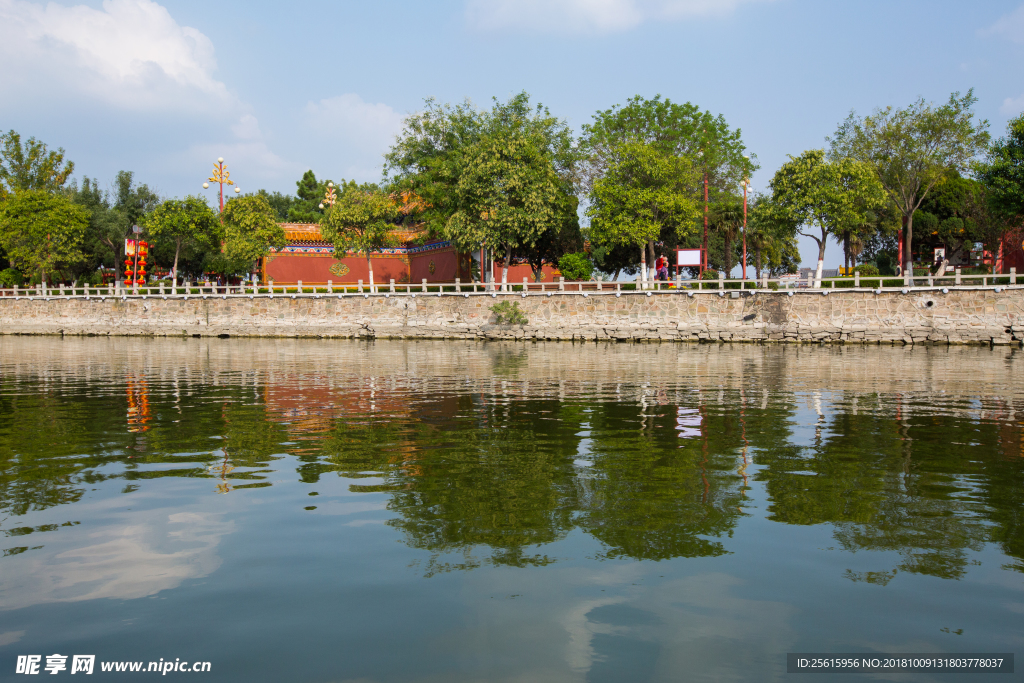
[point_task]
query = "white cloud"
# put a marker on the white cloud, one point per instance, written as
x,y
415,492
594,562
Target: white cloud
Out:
x,y
588,16
1012,106
247,128
156,552
131,53
353,134
1009,26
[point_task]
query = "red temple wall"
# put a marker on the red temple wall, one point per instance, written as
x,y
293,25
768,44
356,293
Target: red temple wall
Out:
x,y
286,268
445,266
517,272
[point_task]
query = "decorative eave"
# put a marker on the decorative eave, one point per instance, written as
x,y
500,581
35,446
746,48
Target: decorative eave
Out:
x,y
306,238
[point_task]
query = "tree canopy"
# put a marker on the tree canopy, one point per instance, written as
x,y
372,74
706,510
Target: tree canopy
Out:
x,y
184,222
31,166
643,192
909,150
42,231
250,231
811,192
362,220
502,177
1003,171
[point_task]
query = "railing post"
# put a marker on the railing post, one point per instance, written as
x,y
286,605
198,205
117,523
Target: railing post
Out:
x,y
298,286
330,286
618,286
423,283
599,285
561,284
958,276
856,279
458,285
391,285
721,280
1013,275
360,286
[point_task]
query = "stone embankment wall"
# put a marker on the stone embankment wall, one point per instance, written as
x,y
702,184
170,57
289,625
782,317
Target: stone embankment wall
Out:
x,y
961,316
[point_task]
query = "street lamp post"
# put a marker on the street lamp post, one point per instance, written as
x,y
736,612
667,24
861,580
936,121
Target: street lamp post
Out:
x,y
746,186
329,197
222,176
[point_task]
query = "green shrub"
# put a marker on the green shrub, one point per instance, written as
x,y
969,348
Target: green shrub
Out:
x,y
11,277
509,313
774,286
867,269
576,267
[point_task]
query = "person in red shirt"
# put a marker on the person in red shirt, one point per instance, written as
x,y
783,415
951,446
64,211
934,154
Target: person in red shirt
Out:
x,y
662,265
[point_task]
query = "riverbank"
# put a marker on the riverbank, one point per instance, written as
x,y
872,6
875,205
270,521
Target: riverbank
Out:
x,y
966,315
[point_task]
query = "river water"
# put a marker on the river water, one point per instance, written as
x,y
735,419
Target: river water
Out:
x,y
325,511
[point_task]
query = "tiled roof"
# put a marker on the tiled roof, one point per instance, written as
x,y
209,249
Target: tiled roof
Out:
x,y
309,233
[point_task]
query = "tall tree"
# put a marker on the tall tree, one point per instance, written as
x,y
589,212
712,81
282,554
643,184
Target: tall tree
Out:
x,y
30,166
251,230
674,129
772,237
1003,171
909,150
310,192
642,194
362,220
42,231
728,219
457,158
507,194
130,203
188,221
823,197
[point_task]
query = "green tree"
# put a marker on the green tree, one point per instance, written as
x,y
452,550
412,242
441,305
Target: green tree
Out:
x,y
250,232
41,231
564,237
130,203
310,192
643,193
728,220
673,129
1003,171
507,194
184,222
363,221
815,193
772,238
576,267
909,150
281,202
30,166
502,178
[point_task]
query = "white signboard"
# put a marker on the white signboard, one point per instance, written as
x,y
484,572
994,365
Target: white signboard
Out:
x,y
688,257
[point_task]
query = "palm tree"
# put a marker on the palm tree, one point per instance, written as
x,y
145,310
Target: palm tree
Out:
x,y
728,219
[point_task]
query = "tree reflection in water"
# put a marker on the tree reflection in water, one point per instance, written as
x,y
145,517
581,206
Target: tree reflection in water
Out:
x,y
489,455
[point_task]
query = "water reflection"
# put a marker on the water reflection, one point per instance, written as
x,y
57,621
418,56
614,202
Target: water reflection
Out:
x,y
490,454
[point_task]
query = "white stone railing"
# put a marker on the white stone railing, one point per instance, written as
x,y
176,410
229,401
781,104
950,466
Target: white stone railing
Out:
x,y
721,286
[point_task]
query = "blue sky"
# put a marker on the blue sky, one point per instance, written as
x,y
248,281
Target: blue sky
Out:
x,y
163,89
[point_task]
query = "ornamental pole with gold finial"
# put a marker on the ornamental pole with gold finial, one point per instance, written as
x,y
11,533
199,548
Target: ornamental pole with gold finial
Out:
x,y
329,197
222,176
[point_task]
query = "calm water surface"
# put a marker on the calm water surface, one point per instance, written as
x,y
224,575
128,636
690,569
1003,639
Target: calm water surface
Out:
x,y
417,511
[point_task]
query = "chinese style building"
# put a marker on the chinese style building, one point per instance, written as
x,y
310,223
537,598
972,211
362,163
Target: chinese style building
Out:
x,y
306,256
